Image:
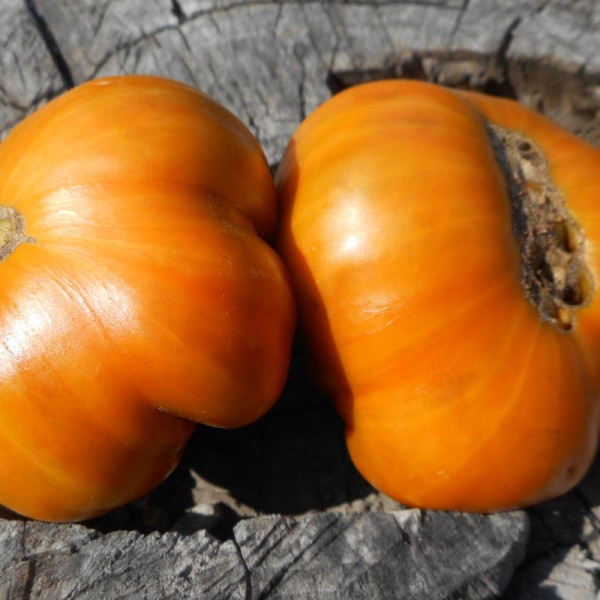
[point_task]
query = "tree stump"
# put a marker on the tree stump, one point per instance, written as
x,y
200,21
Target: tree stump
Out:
x,y
276,510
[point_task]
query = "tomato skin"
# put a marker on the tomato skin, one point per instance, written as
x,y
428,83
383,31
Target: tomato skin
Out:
x,y
397,234
147,299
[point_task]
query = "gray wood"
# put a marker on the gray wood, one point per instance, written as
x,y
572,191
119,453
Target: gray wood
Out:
x,y
28,76
270,62
323,557
213,530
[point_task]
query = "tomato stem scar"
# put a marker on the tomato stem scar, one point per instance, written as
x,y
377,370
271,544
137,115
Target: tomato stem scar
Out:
x,y
12,231
554,272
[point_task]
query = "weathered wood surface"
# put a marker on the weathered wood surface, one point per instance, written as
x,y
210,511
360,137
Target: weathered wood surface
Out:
x,y
212,530
328,556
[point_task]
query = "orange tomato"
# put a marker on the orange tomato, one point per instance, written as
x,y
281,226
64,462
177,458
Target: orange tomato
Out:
x,y
458,391
136,291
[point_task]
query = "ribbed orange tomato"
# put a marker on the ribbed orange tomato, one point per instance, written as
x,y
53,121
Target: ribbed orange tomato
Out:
x,y
135,291
442,248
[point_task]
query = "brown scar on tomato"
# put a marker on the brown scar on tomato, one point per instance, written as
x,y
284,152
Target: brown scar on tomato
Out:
x,y
12,231
554,272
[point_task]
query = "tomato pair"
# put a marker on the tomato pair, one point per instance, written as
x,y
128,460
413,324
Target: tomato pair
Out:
x,y
138,294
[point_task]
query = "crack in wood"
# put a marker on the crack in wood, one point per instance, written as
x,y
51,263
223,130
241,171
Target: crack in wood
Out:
x,y
178,11
51,44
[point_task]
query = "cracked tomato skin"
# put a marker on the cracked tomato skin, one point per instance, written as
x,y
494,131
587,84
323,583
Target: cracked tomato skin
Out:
x,y
396,231
146,299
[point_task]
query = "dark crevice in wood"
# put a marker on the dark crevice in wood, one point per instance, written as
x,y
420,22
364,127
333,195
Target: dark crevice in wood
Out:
x,y
248,595
178,12
51,44
505,87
